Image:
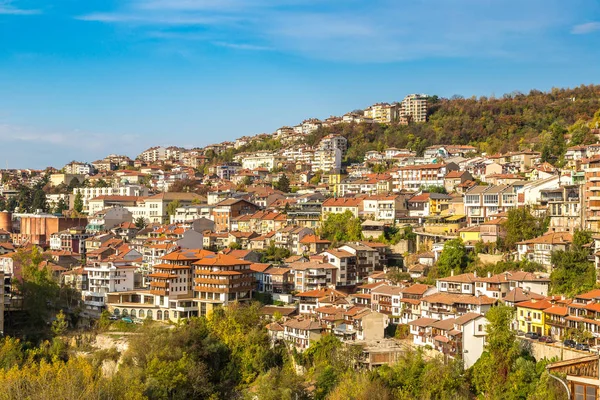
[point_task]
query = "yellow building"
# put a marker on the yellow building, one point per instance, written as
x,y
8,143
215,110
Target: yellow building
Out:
x,y
444,225
470,234
531,316
438,203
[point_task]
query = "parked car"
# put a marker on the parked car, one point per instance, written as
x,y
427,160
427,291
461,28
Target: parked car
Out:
x,y
137,321
582,347
127,319
532,335
520,333
569,343
546,339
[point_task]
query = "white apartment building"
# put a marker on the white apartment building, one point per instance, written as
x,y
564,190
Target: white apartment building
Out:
x,y
262,160
89,193
331,142
105,278
78,168
326,160
310,125
415,107
481,202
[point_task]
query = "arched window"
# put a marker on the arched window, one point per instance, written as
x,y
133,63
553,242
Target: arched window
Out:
x,y
166,315
149,314
159,315
141,314
125,313
117,311
133,313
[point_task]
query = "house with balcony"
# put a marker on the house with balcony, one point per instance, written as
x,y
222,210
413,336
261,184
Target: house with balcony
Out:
x,y
483,202
540,249
346,263
385,208
104,278
312,299
555,319
313,275
564,207
386,300
445,305
301,332
367,259
531,317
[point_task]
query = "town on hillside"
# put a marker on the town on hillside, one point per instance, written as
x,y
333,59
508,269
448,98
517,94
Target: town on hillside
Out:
x,y
405,248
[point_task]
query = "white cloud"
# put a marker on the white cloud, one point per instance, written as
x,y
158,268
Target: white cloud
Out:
x,y
374,31
586,28
6,8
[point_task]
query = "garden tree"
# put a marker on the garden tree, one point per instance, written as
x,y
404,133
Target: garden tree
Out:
x,y
101,183
234,246
60,206
414,377
454,257
315,180
554,145
36,286
78,202
140,223
247,181
184,185
274,254
3,204
74,184
573,273
283,184
38,201
60,324
172,207
506,370
279,384
393,234
360,386
396,275
434,189
522,225
341,227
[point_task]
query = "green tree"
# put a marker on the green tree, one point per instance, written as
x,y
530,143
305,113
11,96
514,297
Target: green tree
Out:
x,y
341,227
283,184
61,206
78,202
454,257
521,225
140,223
573,273
39,201
60,324
173,206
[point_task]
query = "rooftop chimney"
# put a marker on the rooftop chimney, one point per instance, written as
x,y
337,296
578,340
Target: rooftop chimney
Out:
x,y
452,272
475,273
489,274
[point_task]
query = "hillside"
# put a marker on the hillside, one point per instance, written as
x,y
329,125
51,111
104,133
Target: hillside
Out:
x,y
512,122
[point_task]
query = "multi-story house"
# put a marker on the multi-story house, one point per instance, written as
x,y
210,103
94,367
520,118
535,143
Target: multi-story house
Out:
x,y
89,193
220,280
367,259
387,208
346,263
414,107
71,240
414,177
483,202
340,205
104,278
446,305
386,299
555,319
224,212
301,332
263,159
591,209
564,208
531,316
382,113
313,275
331,142
278,280
540,249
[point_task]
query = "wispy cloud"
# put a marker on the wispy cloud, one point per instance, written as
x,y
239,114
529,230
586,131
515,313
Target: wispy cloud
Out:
x,y
7,8
586,28
242,46
352,30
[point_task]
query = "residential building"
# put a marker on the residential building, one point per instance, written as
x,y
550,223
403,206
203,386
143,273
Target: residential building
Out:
x,y
531,316
346,263
104,278
301,332
313,275
540,249
342,204
224,212
414,107
387,208
484,202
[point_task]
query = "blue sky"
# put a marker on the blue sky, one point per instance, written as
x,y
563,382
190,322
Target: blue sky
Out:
x,y
82,79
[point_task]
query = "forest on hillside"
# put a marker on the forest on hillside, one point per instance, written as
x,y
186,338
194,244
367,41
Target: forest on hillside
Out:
x,y
515,121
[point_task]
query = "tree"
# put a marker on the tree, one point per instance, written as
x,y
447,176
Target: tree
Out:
x,y
522,225
61,206
454,257
39,201
173,206
60,324
341,227
572,272
283,184
78,202
140,223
